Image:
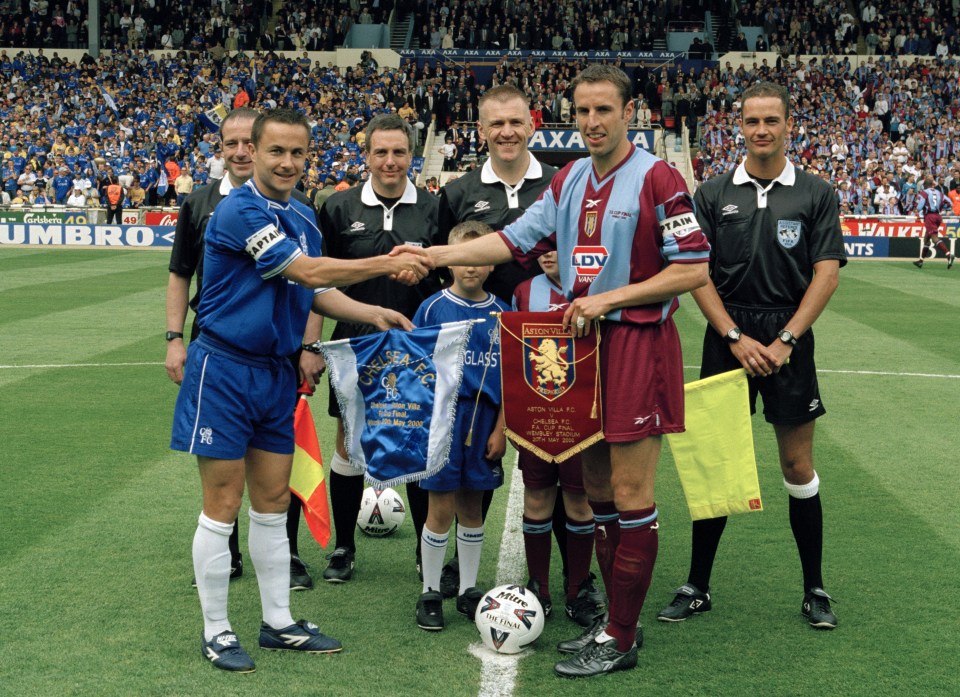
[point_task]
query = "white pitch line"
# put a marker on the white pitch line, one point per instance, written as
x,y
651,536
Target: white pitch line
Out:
x,y
881,373
498,672
77,365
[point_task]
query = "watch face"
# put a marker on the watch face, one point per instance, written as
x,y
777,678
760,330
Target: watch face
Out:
x,y
733,335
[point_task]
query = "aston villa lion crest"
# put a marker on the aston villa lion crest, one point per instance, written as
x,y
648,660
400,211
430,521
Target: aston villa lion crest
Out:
x,y
549,365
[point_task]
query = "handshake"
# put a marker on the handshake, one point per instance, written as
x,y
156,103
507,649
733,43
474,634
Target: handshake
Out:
x,y
409,264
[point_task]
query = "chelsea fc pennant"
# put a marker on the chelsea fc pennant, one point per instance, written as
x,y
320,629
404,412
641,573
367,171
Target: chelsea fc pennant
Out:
x,y
554,409
397,393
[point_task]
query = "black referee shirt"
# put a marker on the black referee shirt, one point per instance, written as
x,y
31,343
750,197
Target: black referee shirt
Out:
x,y
765,241
357,225
481,195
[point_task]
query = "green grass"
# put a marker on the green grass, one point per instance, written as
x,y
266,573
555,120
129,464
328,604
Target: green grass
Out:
x,y
97,516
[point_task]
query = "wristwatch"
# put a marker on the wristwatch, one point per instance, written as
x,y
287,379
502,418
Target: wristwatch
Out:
x,y
787,337
733,336
312,348
174,335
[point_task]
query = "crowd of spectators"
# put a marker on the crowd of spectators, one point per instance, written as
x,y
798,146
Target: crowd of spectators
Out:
x,y
136,118
873,132
543,24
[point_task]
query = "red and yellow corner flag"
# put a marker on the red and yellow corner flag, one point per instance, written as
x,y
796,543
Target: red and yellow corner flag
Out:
x,y
715,457
306,477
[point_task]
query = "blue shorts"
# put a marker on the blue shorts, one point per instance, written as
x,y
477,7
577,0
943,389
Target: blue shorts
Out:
x,y
467,468
229,402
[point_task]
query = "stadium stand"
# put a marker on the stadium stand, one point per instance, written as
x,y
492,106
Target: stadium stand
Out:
x,y
127,114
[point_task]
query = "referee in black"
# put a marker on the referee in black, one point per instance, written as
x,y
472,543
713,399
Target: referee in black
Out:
x,y
360,222
776,254
186,262
507,184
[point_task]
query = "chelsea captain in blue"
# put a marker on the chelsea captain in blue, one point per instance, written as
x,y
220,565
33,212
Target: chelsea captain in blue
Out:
x,y
262,275
776,253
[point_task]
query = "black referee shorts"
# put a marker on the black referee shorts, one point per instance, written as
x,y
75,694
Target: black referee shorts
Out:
x,y
791,397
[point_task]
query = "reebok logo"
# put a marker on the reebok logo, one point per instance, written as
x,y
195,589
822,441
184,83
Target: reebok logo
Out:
x,y
593,202
481,206
729,209
357,227
814,404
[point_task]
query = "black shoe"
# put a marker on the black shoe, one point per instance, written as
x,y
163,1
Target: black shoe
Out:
x,y
589,604
450,578
816,608
597,659
299,576
950,259
467,603
918,263
300,636
590,633
236,571
340,568
689,601
224,652
545,602
430,611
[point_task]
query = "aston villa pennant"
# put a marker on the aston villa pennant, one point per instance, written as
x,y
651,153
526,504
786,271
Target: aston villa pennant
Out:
x,y
551,386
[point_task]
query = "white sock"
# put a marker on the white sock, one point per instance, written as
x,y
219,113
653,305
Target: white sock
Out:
x,y
469,546
433,550
341,465
270,553
211,568
803,491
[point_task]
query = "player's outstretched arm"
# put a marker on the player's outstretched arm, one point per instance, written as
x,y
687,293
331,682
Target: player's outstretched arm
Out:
x,y
339,306
325,272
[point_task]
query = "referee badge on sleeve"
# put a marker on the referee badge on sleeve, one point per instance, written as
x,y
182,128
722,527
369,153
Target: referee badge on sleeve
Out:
x,y
788,233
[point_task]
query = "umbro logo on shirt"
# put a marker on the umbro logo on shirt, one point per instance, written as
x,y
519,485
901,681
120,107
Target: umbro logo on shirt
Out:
x,y
358,226
730,209
481,206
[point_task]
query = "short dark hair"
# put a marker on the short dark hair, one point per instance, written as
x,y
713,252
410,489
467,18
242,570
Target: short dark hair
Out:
x,y
598,72
389,122
243,112
503,93
767,89
289,117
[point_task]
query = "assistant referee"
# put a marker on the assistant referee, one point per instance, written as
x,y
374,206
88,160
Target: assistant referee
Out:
x,y
776,252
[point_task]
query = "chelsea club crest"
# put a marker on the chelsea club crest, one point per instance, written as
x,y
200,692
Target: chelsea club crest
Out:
x,y
788,233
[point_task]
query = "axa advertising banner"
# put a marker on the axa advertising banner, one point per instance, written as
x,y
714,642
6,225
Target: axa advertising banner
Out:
x,y
566,140
76,235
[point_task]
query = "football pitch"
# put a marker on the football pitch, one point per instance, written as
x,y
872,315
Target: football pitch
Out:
x,y
97,518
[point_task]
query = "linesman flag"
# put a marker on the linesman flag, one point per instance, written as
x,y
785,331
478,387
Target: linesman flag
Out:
x,y
306,477
715,457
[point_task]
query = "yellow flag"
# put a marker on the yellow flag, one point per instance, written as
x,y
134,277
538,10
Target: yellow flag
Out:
x,y
715,457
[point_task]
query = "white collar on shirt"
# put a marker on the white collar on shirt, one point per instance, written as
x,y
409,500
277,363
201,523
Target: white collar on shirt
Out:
x,y
787,177
488,176
369,197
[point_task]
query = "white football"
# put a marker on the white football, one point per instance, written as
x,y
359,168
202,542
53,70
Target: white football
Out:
x,y
381,512
509,619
